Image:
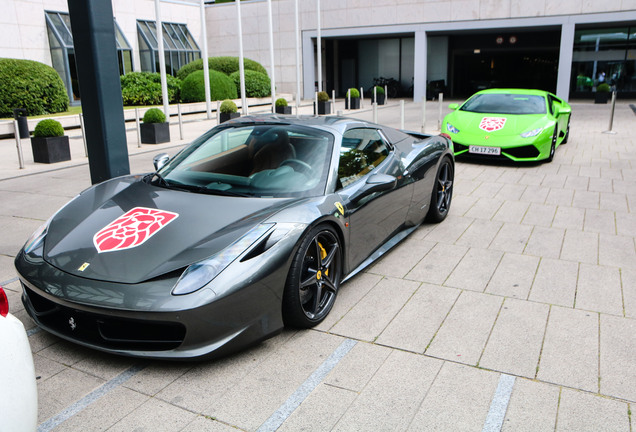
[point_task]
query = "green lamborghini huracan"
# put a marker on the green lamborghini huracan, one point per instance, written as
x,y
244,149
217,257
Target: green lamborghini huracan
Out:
x,y
515,124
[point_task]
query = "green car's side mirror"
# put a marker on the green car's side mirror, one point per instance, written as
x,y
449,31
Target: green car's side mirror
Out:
x,y
564,110
453,106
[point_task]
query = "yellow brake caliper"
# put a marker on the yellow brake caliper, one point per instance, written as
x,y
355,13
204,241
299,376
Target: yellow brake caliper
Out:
x,y
323,255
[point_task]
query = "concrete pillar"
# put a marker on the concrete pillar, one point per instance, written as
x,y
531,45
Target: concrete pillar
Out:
x,y
419,64
565,61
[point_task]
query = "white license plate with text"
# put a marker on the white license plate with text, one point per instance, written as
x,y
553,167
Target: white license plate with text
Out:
x,y
484,150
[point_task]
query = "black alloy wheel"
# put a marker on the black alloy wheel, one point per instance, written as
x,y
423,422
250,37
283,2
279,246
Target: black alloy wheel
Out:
x,y
553,144
314,278
442,192
567,134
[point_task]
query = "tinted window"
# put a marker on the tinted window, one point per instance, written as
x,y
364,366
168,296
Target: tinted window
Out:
x,y
505,104
362,150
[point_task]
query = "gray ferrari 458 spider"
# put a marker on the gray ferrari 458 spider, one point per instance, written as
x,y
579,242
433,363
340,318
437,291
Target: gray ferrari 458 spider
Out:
x,y
253,226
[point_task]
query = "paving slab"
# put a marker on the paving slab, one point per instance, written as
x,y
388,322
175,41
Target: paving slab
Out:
x,y
437,265
580,411
570,349
515,343
514,276
511,211
358,367
599,289
466,329
416,324
580,246
618,345
628,279
459,399
479,234
449,231
394,394
400,261
15,232
539,214
155,415
475,269
545,242
367,319
555,282
511,238
484,208
616,251
532,408
569,217
207,424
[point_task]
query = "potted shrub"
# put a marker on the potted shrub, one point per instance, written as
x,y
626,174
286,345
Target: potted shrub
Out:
x,y
49,144
602,93
155,129
379,94
282,106
324,104
352,95
228,111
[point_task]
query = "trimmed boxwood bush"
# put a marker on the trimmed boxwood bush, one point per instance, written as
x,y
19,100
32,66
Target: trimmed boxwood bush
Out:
x,y
281,102
228,107
378,90
144,88
355,93
603,87
221,87
48,128
227,65
31,85
323,96
154,115
256,84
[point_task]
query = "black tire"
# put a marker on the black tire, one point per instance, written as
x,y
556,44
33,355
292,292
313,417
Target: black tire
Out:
x,y
553,144
313,279
567,134
442,193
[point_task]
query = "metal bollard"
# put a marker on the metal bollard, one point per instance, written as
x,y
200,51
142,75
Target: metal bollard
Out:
x,y
386,94
81,119
180,121
218,112
439,117
18,144
361,97
423,128
611,122
401,113
375,112
138,128
333,99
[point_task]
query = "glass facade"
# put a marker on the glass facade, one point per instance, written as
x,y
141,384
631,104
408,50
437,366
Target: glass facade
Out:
x,y
604,55
60,34
179,47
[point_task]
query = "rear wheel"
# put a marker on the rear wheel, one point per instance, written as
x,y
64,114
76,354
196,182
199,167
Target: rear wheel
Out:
x,y
567,134
553,144
314,278
442,193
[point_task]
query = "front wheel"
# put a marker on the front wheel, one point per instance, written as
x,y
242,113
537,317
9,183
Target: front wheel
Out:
x,y
442,193
313,279
553,144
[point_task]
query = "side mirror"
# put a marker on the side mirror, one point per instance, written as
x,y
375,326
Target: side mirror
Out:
x,y
564,110
375,183
453,106
160,160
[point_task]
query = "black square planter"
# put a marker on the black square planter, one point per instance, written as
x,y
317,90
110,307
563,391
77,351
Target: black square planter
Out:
x,y
223,117
283,110
155,133
355,103
601,97
323,107
381,98
50,149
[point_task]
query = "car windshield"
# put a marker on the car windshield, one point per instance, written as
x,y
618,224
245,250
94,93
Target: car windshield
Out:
x,y
262,160
505,104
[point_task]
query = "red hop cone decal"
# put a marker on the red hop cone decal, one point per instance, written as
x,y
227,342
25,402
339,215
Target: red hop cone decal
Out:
x,y
132,229
491,124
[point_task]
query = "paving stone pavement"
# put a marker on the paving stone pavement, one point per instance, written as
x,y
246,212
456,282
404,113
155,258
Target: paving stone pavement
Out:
x,y
531,280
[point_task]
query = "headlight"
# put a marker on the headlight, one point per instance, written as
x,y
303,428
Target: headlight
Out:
x,y
531,133
451,128
37,238
200,274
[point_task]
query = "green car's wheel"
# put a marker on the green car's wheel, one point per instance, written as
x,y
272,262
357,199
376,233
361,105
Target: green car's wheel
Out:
x,y
314,278
442,192
567,134
553,144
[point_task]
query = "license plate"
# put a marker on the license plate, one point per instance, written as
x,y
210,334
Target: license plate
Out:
x,y
484,150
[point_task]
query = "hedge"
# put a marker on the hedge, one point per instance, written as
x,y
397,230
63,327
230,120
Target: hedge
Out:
x,y
31,85
154,115
221,87
48,128
227,65
144,88
256,84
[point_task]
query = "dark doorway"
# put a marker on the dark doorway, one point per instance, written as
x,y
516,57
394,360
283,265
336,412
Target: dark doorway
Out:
x,y
504,60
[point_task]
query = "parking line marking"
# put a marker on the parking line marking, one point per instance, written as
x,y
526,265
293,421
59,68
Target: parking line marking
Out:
x,y
287,408
499,405
33,331
81,404
7,282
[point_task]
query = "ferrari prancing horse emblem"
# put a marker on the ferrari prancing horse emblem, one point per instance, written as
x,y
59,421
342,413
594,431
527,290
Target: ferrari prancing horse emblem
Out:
x,y
490,124
132,229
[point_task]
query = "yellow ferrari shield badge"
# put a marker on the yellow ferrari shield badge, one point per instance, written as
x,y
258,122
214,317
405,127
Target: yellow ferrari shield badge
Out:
x,y
83,266
340,207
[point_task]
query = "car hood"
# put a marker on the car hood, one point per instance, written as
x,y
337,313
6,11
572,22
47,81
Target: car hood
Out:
x,y
162,230
514,124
